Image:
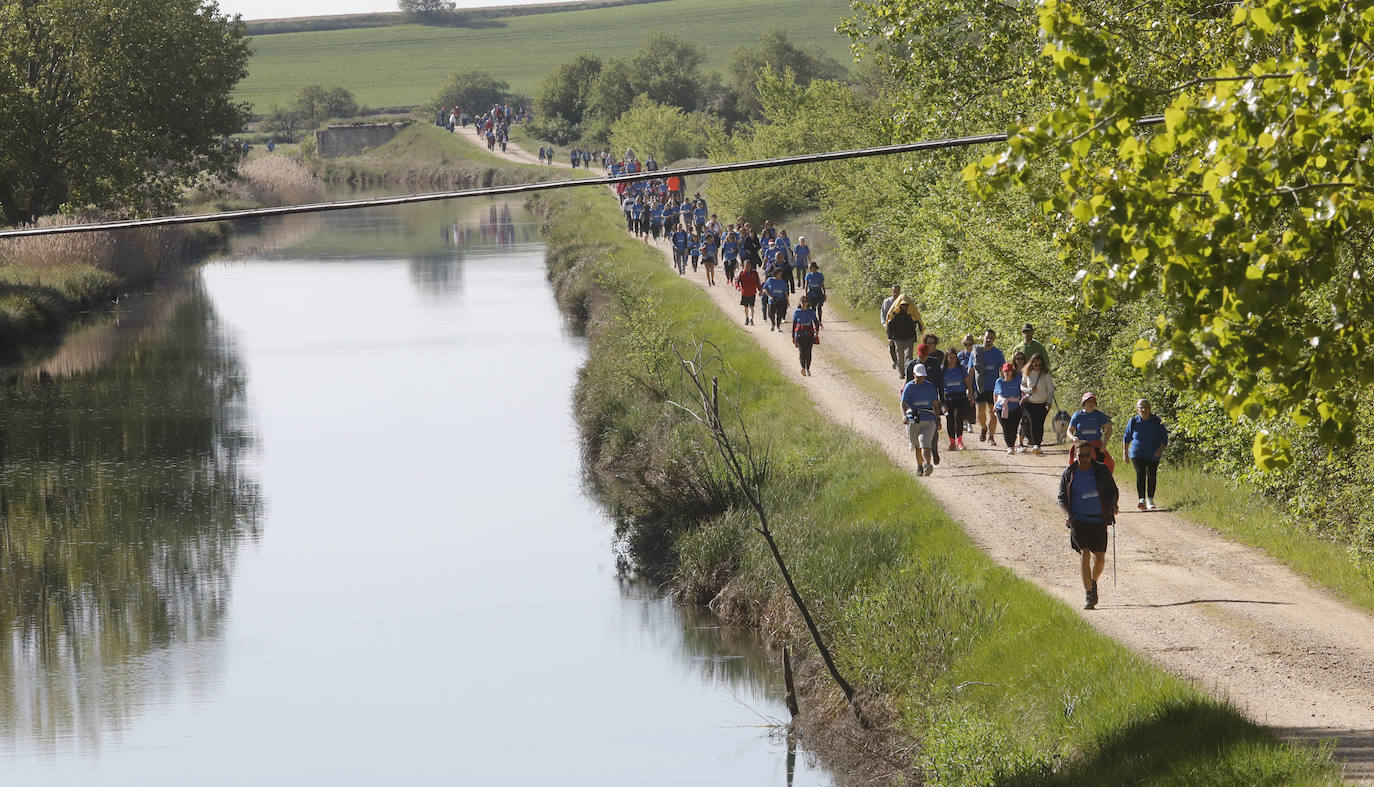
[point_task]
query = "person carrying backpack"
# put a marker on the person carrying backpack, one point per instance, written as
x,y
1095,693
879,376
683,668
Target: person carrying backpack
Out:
x,y
903,323
1088,498
815,289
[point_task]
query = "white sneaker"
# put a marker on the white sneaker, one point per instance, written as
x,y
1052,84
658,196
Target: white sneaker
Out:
x,y
929,469
1036,450
1150,503
1140,504
1011,452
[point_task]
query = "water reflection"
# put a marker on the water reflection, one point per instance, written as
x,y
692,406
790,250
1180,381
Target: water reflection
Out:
x,y
123,498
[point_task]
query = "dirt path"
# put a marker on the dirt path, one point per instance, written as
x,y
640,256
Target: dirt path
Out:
x,y
1229,618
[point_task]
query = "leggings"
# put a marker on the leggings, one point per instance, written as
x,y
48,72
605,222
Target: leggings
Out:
x,y
804,344
1145,471
959,412
777,309
1009,425
1035,416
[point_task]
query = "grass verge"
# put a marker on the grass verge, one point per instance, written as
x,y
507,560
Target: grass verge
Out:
x,y
998,682
425,155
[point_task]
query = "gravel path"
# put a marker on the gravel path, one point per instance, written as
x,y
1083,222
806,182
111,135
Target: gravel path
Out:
x,y
1234,621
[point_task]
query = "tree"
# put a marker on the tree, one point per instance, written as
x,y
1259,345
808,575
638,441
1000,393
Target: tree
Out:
x,y
668,71
566,92
667,133
612,92
315,104
776,51
1250,214
426,9
473,91
114,103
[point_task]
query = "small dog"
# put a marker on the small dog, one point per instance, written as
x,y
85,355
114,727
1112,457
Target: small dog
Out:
x,y
1060,424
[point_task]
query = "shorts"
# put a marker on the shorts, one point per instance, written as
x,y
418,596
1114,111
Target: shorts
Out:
x,y
1091,536
984,396
747,300
921,434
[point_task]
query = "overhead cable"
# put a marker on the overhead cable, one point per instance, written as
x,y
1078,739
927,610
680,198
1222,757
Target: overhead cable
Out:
x,y
523,188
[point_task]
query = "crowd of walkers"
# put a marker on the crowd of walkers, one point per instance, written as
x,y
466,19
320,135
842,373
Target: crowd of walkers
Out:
x,y
979,388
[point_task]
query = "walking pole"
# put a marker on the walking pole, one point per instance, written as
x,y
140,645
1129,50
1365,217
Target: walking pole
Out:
x,y
1113,555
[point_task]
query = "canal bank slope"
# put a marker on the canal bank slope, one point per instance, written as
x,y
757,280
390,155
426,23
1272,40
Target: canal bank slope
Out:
x,y
996,680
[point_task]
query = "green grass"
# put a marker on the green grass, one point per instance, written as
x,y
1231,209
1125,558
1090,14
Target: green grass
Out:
x,y
1001,683
1238,511
407,65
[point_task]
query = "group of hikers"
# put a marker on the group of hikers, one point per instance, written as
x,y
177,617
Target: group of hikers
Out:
x,y
492,125
978,386
981,385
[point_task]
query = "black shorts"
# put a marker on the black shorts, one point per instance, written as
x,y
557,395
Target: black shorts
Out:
x,y
984,396
1088,535
747,300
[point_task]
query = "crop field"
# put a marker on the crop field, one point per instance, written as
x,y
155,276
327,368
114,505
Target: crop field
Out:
x,y
405,65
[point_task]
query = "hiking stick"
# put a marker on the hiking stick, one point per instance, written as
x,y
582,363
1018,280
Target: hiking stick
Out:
x,y
1113,555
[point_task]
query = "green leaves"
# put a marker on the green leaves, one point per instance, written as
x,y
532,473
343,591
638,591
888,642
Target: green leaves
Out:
x,y
1253,202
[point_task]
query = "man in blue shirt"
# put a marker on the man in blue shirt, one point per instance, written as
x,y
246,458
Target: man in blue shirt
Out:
x,y
680,239
985,367
1088,497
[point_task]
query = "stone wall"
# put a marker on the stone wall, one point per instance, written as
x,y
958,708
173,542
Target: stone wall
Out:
x,y
335,141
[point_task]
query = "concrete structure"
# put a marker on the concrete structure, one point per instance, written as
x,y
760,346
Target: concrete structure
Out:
x,y
350,140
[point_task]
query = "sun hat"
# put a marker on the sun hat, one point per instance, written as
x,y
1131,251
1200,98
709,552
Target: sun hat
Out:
x,y
920,370
1087,396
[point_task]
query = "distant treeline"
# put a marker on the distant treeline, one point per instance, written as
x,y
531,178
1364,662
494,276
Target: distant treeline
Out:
x,y
467,17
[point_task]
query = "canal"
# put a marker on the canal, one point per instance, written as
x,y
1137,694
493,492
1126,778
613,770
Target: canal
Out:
x,y
314,514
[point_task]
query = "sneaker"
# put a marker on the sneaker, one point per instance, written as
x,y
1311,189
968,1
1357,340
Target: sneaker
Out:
x,y
961,442
1011,452
935,454
1036,450
1022,448
952,447
1140,504
1090,597
1150,503
982,434
929,469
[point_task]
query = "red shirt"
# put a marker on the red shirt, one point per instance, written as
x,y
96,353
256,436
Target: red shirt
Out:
x,y
748,283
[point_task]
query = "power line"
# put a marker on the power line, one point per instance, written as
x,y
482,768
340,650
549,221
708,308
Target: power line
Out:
x,y
524,188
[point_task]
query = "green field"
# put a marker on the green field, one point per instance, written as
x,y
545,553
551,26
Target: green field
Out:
x,y
406,65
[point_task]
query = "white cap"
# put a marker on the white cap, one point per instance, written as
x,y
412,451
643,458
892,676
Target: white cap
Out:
x,y
920,370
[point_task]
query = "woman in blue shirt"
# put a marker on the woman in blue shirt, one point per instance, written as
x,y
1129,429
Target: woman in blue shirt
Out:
x,y
806,330
776,287
729,252
1007,404
1144,439
958,408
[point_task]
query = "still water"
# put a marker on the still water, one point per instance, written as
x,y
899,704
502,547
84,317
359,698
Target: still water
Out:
x,y
313,515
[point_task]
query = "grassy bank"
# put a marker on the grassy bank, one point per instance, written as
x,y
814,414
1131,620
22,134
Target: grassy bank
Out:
x,y
998,683
406,65
424,155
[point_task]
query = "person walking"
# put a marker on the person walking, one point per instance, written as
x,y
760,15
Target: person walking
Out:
x,y
1007,403
1029,346
1145,438
919,401
748,284
806,330
815,289
903,323
679,239
957,407
1091,425
1088,497
709,248
776,287
882,320
1037,388
985,368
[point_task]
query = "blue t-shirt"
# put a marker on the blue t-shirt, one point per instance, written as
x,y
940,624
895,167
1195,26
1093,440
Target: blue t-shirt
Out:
x,y
708,250
966,359
639,208
680,240
1088,426
992,361
1010,390
729,249
700,214
776,288
1144,436
803,317
803,254
657,217
815,280
954,380
1085,505
919,399
686,211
